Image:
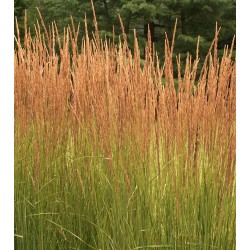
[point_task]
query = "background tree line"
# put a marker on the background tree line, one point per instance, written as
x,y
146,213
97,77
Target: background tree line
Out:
x,y
195,17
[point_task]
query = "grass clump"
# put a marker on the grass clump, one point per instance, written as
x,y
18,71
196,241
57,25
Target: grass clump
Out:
x,y
106,157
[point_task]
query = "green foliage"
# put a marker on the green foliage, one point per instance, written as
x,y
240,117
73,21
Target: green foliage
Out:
x,y
20,6
140,7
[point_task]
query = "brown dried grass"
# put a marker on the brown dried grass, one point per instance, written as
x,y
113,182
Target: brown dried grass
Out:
x,y
102,86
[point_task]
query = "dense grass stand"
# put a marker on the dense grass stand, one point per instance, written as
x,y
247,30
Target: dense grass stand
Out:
x,y
126,162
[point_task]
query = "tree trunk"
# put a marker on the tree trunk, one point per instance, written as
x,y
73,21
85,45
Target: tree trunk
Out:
x,y
106,9
127,24
183,23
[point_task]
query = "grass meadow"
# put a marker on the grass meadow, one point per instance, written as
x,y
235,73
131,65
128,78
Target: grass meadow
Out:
x,y
109,157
